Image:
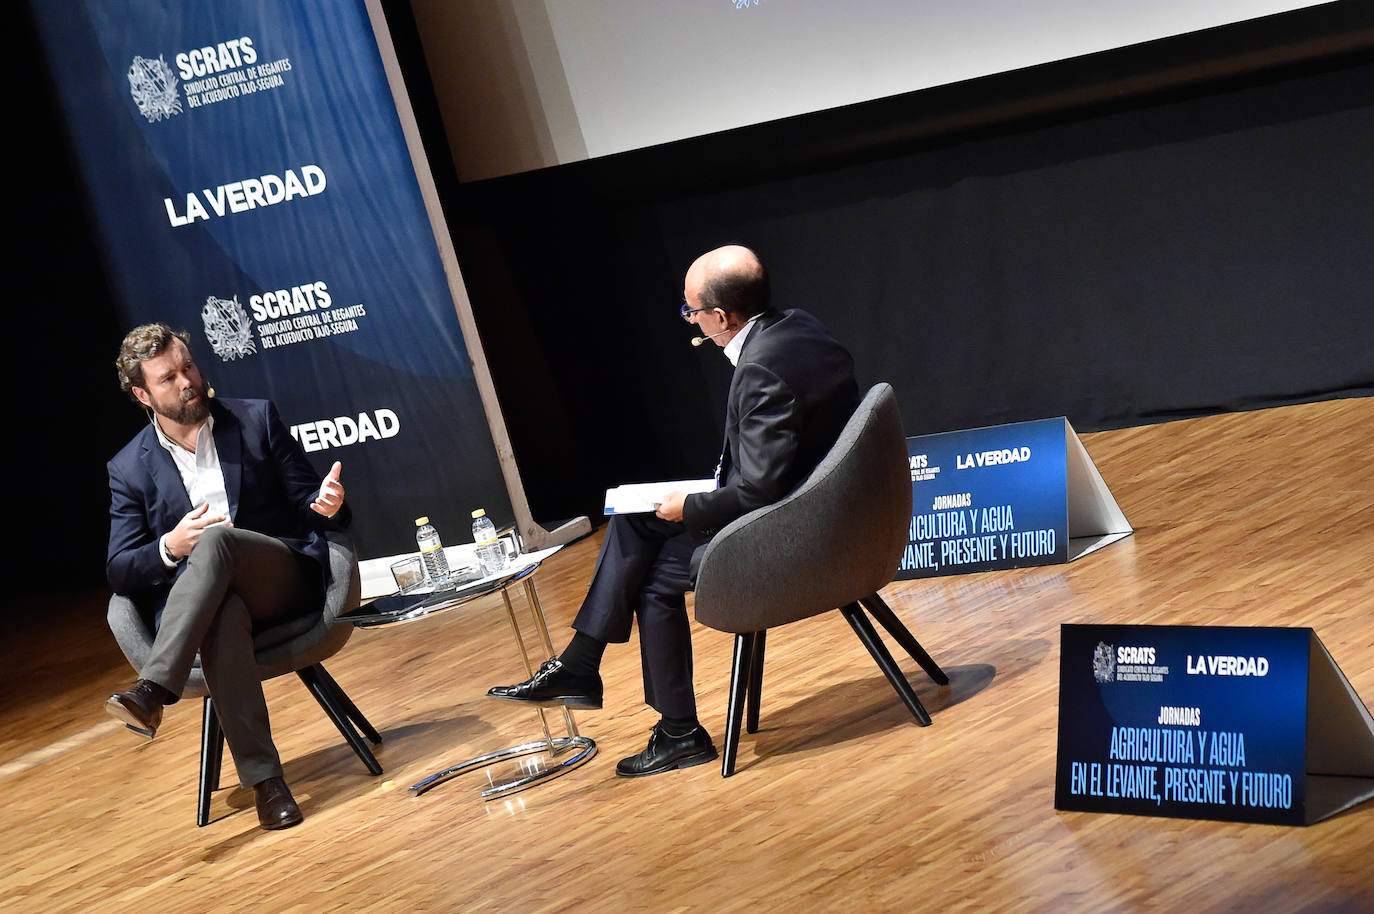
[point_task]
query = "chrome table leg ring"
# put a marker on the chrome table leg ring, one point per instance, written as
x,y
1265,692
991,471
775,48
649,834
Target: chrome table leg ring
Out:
x,y
536,775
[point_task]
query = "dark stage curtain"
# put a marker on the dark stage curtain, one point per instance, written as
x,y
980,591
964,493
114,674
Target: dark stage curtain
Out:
x,y
1189,253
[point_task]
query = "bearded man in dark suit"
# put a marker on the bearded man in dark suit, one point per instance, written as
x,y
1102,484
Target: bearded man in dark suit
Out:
x,y
216,525
792,392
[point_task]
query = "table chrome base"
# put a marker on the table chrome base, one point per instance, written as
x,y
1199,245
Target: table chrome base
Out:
x,y
536,771
586,747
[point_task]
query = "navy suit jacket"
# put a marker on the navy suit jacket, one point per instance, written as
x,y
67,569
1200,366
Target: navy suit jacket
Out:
x,y
792,392
269,482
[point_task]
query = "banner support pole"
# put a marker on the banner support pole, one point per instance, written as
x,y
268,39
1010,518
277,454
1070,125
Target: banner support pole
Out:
x,y
534,534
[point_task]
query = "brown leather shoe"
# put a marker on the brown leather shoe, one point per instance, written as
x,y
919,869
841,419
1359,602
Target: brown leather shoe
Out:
x,y
139,708
276,807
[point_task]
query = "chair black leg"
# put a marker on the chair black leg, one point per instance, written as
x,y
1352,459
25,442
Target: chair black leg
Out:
x,y
739,685
751,714
864,629
349,707
311,677
899,632
211,757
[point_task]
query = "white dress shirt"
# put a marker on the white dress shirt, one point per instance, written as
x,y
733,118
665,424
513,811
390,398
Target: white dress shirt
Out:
x,y
200,474
736,344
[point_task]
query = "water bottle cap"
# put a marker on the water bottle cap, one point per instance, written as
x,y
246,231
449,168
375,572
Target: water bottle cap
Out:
x,y
421,521
480,512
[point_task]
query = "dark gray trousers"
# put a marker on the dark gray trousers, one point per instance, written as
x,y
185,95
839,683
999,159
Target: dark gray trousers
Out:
x,y
235,581
643,572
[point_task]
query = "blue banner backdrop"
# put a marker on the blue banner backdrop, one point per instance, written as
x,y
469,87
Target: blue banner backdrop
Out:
x,y
250,182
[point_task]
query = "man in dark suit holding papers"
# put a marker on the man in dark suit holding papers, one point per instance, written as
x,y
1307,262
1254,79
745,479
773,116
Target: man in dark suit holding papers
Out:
x,y
216,526
792,392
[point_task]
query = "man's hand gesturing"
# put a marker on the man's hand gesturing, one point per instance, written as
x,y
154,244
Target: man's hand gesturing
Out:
x,y
331,495
186,533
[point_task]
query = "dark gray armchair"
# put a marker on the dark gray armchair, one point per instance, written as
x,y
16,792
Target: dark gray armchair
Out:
x,y
834,542
299,645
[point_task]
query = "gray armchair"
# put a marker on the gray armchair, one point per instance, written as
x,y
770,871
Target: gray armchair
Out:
x,y
299,645
834,542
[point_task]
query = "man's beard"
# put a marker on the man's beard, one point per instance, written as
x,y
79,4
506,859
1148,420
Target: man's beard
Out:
x,y
188,413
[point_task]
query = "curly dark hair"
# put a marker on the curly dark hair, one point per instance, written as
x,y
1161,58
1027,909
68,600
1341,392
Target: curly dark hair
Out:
x,y
140,344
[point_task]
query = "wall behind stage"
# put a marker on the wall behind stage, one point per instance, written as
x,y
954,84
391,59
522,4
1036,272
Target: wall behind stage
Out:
x,y
1181,253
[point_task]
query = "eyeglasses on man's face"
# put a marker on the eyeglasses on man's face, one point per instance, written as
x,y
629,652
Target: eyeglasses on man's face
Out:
x,y
687,311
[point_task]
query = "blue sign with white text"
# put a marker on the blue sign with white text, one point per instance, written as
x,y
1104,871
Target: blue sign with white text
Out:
x,y
988,498
1184,721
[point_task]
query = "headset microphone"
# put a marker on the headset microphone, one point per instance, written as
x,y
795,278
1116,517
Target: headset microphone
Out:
x,y
698,340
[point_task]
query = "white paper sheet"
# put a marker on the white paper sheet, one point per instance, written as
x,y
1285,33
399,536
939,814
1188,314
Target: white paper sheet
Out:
x,y
640,497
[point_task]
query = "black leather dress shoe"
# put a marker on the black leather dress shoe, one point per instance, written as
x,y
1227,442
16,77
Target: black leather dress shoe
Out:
x,y
553,685
666,753
139,708
276,807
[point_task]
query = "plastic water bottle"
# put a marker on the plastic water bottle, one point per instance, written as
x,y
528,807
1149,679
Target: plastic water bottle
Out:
x,y
431,551
489,551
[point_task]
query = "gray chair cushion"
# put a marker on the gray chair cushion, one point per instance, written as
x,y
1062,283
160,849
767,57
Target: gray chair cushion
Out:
x,y
327,635
836,539
295,644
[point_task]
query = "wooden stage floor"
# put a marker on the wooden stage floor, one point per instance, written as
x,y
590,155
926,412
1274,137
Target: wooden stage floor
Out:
x,y
841,802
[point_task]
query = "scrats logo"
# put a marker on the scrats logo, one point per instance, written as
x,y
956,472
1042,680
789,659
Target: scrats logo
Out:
x,y
153,85
227,328
1104,662
216,58
153,88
